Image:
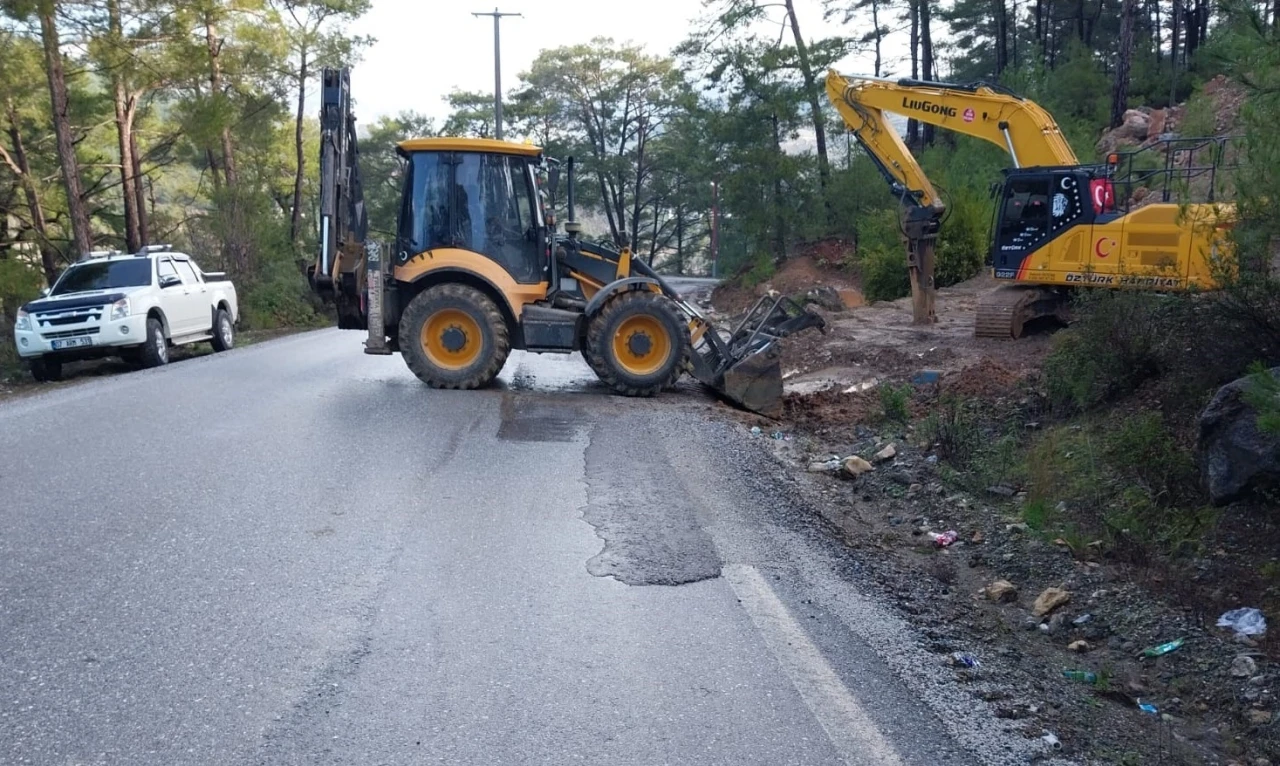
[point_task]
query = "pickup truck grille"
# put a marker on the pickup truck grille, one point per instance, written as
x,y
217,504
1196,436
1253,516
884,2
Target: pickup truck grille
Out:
x,y
69,333
69,316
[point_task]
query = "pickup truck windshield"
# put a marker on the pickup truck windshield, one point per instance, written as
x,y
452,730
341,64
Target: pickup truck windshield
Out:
x,y
104,275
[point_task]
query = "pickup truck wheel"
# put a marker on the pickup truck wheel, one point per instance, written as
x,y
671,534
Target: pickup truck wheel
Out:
x,y
46,370
453,336
155,351
224,334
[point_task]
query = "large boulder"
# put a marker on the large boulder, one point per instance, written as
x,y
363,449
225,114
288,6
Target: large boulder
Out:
x,y
1237,458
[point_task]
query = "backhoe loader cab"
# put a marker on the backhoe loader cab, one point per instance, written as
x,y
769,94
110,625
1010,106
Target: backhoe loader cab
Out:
x,y
477,269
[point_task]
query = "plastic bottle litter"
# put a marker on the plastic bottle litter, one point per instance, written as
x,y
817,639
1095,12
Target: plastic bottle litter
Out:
x,y
755,430
965,659
1148,708
1080,675
1051,740
1082,619
1165,648
943,539
1245,622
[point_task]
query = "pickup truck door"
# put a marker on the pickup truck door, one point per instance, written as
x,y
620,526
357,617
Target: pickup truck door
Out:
x,y
183,302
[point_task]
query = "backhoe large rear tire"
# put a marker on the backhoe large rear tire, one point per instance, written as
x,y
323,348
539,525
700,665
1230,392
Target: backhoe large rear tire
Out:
x,y
638,344
453,336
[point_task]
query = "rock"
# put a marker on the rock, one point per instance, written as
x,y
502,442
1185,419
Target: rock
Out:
x,y
1050,599
1055,623
1259,717
826,297
886,454
1001,491
1018,527
913,489
1237,458
856,466
1244,667
902,477
1079,646
1002,592
978,538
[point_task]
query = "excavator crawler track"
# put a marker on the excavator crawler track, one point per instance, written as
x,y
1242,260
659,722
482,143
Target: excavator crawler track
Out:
x,y
1005,311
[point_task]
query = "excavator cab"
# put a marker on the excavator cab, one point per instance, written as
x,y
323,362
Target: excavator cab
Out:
x,y
478,196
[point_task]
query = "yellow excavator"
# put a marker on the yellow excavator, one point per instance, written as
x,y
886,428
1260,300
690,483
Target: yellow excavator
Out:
x,y
478,268
1058,223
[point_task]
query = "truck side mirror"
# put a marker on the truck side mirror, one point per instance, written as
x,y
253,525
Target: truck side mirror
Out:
x,y
993,190
44,293
169,281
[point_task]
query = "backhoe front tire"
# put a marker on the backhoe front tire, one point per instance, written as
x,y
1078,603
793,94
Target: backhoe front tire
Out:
x,y
638,344
453,336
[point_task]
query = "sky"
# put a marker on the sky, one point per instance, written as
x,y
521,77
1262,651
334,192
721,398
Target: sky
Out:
x,y
426,48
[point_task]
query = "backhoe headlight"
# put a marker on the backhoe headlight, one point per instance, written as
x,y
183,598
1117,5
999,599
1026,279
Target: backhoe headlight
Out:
x,y
24,321
120,309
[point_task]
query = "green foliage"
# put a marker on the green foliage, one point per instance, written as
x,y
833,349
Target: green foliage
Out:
x,y
1113,347
893,402
761,270
1263,394
954,432
884,273
280,298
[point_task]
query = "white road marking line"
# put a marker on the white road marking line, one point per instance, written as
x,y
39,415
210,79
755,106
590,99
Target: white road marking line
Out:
x,y
851,731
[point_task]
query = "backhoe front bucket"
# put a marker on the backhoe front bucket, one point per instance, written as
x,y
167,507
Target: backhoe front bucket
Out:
x,y
755,383
743,366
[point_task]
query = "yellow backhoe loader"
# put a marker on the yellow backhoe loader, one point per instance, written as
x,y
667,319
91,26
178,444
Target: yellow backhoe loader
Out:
x,y
478,268
1060,224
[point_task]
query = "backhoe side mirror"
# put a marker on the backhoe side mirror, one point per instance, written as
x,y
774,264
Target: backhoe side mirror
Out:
x,y
553,180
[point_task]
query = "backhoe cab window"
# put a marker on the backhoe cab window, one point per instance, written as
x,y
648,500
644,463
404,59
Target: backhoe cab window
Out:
x,y
477,202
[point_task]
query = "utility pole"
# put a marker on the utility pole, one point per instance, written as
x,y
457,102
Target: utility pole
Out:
x,y
497,70
715,228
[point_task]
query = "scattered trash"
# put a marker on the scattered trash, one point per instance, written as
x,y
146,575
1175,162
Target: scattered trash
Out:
x,y
780,435
965,659
943,539
1082,619
1244,667
1086,676
865,385
1048,600
1165,648
931,460
1245,622
755,430
830,465
1079,646
1147,707
1052,740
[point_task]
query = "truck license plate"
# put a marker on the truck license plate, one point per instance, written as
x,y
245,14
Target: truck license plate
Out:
x,y
72,342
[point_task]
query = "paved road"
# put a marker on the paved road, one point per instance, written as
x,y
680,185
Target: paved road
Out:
x,y
294,553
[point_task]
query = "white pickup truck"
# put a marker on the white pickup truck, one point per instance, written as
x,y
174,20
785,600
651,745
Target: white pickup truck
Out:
x,y
134,306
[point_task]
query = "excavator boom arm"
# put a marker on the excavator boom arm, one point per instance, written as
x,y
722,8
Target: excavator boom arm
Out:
x,y
1017,125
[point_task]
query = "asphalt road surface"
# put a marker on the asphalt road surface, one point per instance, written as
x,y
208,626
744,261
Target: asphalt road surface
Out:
x,y
294,553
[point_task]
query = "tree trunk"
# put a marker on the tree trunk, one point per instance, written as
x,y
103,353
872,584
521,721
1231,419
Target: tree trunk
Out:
x,y
124,131
48,255
1002,37
780,223
926,58
1038,13
214,44
815,104
913,10
875,20
295,220
144,227
1175,17
1120,94
81,237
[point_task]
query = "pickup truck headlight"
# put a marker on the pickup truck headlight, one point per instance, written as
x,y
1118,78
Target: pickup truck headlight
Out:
x,y
24,321
120,309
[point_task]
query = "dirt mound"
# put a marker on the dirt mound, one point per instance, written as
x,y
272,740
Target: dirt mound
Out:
x,y
812,265
832,413
988,379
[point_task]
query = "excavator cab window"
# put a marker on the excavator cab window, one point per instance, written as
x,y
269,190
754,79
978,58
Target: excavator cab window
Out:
x,y
1034,207
475,201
